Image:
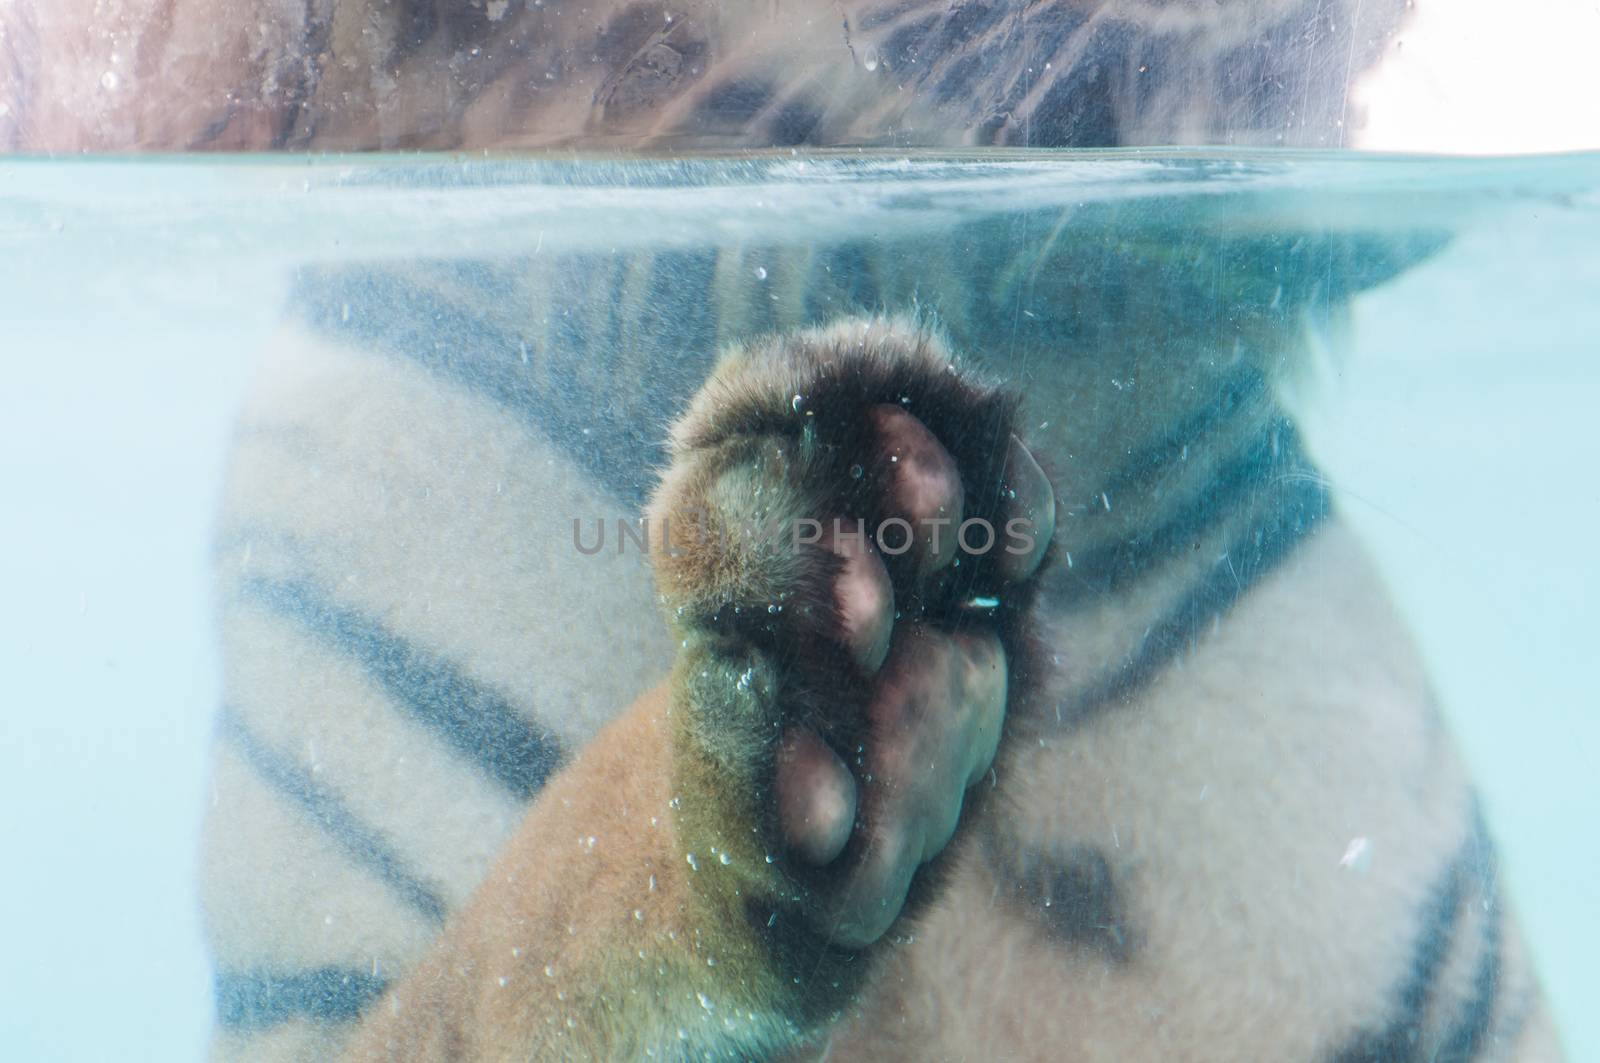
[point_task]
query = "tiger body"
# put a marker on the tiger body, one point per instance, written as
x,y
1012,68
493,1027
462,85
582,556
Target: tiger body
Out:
x,y
1226,821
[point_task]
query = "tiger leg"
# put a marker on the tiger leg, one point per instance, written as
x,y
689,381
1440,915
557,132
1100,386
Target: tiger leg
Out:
x,y
713,874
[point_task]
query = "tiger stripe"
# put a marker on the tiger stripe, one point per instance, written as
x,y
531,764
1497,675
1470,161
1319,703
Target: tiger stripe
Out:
x,y
406,399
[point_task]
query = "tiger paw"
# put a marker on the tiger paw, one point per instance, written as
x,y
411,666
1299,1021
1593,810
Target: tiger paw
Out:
x,y
845,538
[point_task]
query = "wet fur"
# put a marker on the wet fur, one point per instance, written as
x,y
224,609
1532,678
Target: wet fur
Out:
x,y
1162,878
443,74
1224,700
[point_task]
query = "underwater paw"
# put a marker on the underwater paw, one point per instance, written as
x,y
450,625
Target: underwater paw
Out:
x,y
845,535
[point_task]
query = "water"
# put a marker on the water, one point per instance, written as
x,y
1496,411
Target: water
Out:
x,y
1453,416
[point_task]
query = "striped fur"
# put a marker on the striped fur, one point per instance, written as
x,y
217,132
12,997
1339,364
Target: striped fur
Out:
x,y
411,640
414,650
453,74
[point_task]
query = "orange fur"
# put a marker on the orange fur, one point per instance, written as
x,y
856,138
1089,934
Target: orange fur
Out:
x,y
587,940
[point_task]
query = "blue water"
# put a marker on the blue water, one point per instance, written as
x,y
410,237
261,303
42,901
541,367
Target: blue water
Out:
x,y
1455,419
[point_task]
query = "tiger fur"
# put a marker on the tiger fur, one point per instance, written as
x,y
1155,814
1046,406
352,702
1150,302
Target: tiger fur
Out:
x,y
695,74
1197,554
